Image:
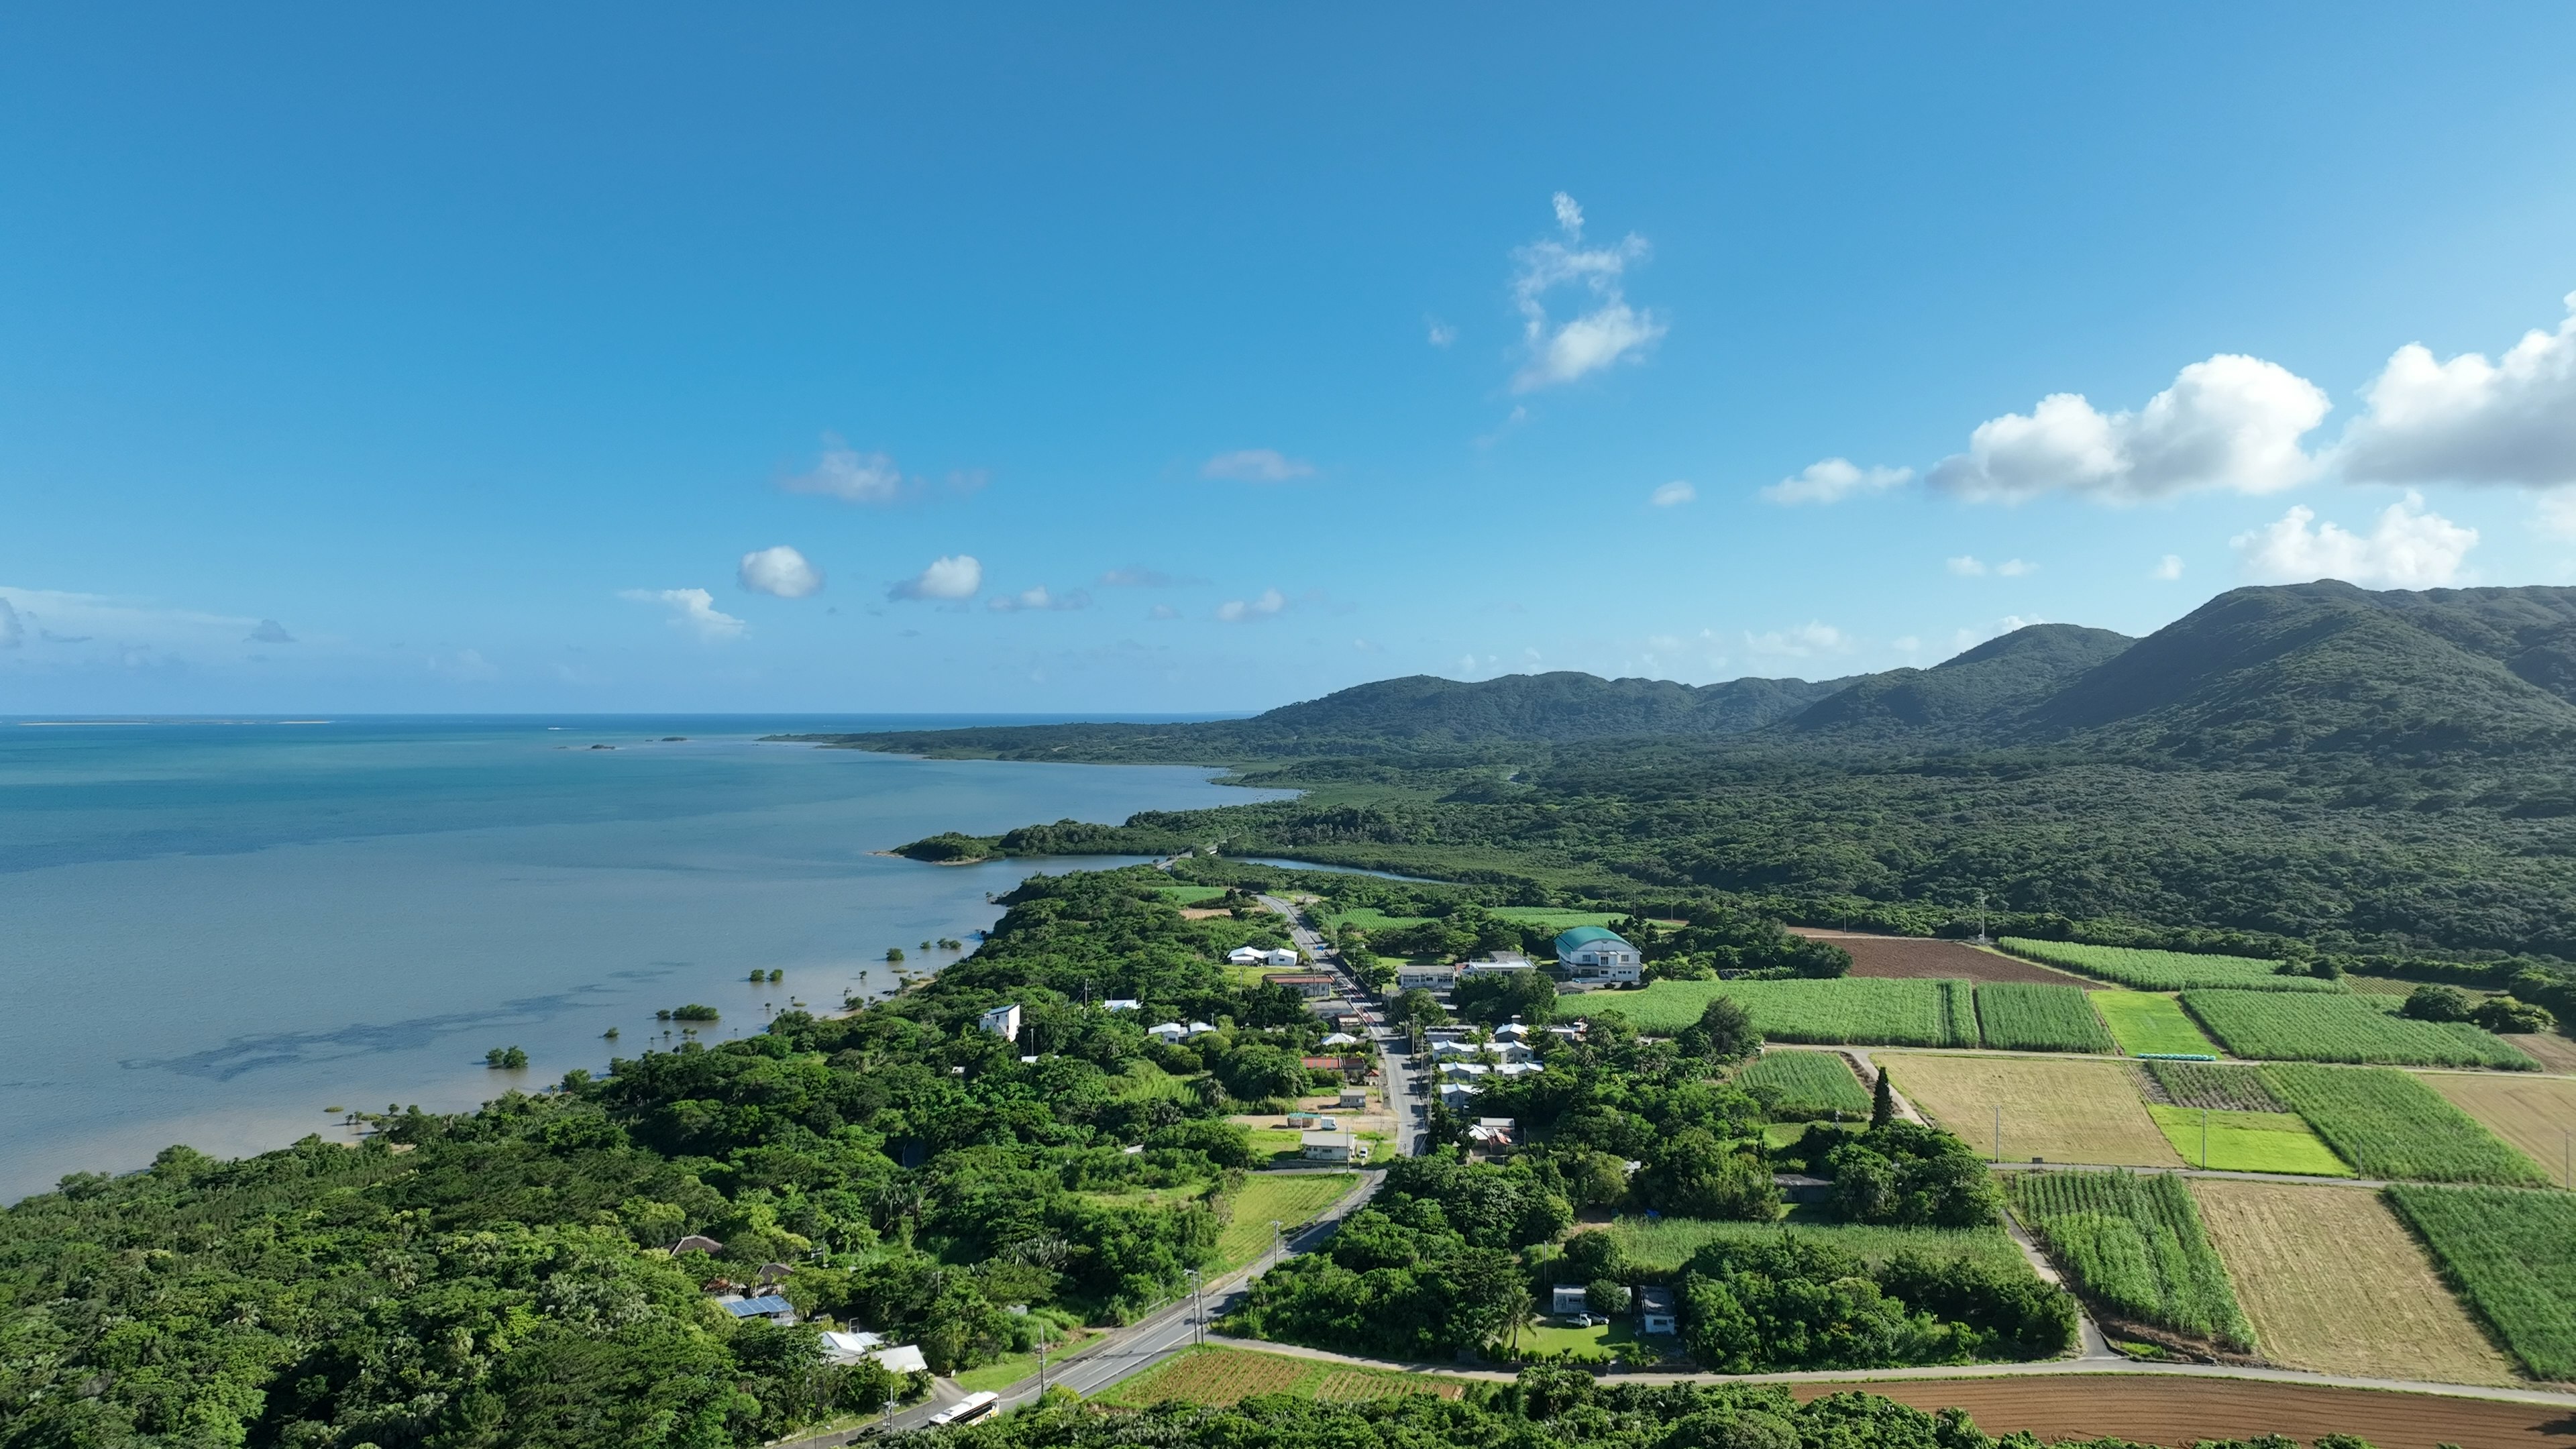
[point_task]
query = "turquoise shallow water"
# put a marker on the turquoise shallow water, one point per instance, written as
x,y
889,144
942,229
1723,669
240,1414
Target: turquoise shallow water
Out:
x,y
209,932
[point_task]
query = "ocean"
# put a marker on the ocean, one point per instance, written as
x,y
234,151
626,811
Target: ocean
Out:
x,y
217,932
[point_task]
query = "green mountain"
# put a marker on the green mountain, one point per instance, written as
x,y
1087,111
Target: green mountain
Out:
x,y
1974,693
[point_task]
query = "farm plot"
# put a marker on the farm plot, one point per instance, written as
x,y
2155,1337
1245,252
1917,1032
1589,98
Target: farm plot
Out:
x,y
2020,1017
2165,970
2333,1283
2208,1084
1805,1086
2513,1256
1663,1245
1900,957
2390,1125
1288,1198
2279,1027
1225,1376
2142,1022
2054,1108
2135,1244
2246,1141
2533,1113
1848,1010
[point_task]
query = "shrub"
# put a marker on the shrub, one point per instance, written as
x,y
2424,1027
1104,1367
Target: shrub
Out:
x,y
2439,1003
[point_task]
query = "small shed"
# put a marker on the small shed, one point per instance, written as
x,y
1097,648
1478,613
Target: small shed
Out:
x,y
1353,1100
1656,1312
1568,1298
1332,1147
767,1305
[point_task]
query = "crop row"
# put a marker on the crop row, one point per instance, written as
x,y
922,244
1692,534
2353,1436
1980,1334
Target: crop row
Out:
x,y
2135,1244
2023,1017
2165,970
1805,1086
2512,1255
2277,1027
2388,1124
2215,1087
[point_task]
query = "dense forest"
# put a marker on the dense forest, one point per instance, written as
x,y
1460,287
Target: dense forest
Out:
x,y
2386,777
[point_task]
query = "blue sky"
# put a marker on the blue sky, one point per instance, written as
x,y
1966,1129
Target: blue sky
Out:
x,y
1205,358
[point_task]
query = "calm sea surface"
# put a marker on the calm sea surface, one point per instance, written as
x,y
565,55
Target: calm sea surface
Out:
x,y
212,932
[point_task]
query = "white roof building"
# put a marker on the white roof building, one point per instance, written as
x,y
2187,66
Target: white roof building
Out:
x,y
1279,956
903,1358
1170,1031
1246,956
1341,1038
1002,1021
1200,1028
1122,1003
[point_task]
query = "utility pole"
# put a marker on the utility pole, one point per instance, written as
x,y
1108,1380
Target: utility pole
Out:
x,y
1198,1311
1042,1348
1999,1136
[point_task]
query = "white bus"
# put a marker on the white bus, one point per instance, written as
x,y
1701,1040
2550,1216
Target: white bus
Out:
x,y
965,1410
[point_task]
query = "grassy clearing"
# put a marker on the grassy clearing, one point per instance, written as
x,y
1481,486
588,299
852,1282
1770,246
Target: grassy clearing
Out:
x,y
2143,1022
2533,1113
1806,1085
1288,1198
1009,1369
1190,895
1850,1010
2334,1284
2211,1085
1618,1334
2164,970
2021,1017
1223,1376
2060,1109
2134,1243
1146,1082
2247,1141
2283,1028
2513,1256
1552,919
1664,1244
2391,1125
1370,918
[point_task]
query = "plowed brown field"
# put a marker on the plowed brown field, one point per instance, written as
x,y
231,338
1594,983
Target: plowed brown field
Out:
x,y
2177,1409
1903,956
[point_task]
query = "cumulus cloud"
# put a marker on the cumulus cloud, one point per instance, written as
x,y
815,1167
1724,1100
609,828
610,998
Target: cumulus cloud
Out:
x,y
1256,465
1805,641
781,572
1438,333
2469,420
1600,333
1244,611
2412,548
1833,480
957,577
692,610
1673,494
1038,599
850,475
2231,422
2167,568
269,632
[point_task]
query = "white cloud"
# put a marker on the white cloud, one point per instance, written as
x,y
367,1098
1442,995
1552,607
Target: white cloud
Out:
x,y
1592,339
2167,568
780,571
850,475
946,578
1970,566
2469,420
2230,422
2558,514
269,632
2411,549
2013,568
691,609
1038,599
1162,611
1967,566
1673,494
1805,641
1240,611
1439,333
1256,465
1833,480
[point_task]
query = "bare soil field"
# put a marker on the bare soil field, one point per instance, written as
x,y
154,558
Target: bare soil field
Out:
x,y
1914,956
2177,1409
2059,1109
2335,1284
2532,1112
2555,1053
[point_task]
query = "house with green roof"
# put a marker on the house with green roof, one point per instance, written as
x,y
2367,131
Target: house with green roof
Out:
x,y
1592,954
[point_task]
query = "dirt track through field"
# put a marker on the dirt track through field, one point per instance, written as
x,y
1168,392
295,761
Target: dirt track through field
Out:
x,y
2179,1410
1913,956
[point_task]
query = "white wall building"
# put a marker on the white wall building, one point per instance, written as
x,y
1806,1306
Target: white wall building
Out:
x,y
1589,953
1002,1021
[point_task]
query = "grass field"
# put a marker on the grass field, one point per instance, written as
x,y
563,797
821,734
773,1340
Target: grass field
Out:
x,y
1145,1082
2533,1113
2388,1124
1288,1197
2143,1022
1009,1369
2513,1256
1850,1010
2276,1026
1190,895
2247,1141
1806,1085
1666,1243
2029,1018
2165,970
2060,1109
1616,1336
2334,1284
1370,918
2134,1243
2222,1087
1222,1376
1552,919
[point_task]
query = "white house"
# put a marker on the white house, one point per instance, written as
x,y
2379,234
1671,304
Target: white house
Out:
x,y
1168,1033
1002,1021
1655,1313
1421,976
1498,964
845,1348
1122,1003
1354,1100
1247,956
1200,1028
1340,1038
1279,956
1458,1096
1511,1031
1589,953
1332,1147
